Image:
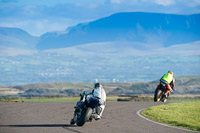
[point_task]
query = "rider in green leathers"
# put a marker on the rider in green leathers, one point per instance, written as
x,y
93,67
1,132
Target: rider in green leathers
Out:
x,y
168,80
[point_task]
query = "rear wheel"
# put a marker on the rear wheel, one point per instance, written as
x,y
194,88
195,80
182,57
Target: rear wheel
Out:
x,y
85,117
157,95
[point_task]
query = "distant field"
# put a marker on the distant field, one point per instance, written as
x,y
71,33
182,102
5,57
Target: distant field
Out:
x,y
172,98
58,99
185,114
143,98
184,85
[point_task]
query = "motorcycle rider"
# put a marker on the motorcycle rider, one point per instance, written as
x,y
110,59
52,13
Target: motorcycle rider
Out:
x,y
98,99
168,80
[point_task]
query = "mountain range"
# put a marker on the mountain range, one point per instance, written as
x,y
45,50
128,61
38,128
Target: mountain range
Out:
x,y
147,28
123,47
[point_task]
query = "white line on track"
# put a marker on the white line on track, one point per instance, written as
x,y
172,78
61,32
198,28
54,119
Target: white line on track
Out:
x,y
139,114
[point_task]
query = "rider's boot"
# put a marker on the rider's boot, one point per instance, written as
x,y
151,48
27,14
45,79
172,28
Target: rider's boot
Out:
x,y
98,117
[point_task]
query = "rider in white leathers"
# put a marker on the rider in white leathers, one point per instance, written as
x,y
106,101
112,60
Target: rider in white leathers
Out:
x,y
98,101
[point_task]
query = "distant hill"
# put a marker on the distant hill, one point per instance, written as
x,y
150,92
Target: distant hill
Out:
x,y
16,38
147,28
183,85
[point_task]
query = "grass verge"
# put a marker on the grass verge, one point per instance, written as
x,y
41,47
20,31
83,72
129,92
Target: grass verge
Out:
x,y
186,114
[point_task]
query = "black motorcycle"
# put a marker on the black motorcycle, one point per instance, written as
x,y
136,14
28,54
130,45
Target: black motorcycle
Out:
x,y
83,112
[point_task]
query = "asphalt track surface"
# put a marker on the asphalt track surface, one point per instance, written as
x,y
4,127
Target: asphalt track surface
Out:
x,y
118,117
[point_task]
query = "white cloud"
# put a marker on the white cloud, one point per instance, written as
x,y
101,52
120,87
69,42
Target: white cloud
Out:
x,y
93,5
194,3
164,2
116,1
38,27
30,10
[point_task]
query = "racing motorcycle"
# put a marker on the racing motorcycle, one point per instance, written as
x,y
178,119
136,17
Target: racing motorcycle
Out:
x,y
83,112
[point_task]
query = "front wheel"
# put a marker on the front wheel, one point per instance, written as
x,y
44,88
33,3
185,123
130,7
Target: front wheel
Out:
x,y
164,100
157,95
72,122
85,117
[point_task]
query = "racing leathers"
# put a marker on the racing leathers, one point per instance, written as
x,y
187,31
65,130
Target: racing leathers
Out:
x,y
168,81
98,100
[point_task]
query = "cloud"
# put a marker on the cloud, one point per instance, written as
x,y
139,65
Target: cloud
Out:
x,y
164,2
38,27
30,10
194,3
116,1
143,2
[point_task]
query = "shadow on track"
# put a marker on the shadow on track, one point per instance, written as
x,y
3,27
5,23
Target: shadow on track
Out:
x,y
65,126
39,125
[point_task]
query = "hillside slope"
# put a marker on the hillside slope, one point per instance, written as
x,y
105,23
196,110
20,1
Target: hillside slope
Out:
x,y
184,85
148,28
16,38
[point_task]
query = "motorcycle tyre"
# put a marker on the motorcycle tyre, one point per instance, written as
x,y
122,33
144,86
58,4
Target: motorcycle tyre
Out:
x,y
72,122
158,95
164,99
85,117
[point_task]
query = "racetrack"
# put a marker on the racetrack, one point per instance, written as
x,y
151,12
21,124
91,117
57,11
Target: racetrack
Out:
x,y
118,117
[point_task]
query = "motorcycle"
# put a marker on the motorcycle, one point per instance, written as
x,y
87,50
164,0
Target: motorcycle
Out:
x,y
83,112
160,93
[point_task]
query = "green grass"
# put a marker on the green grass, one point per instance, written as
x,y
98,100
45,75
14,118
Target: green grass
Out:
x,y
182,100
185,114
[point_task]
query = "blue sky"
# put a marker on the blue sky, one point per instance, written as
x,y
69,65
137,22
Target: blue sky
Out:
x,y
40,16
